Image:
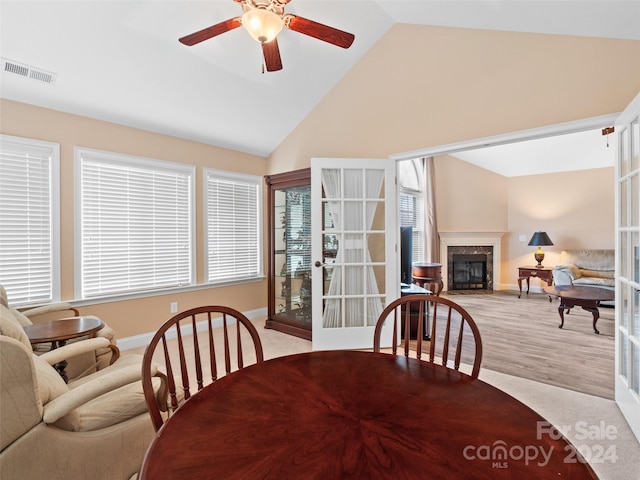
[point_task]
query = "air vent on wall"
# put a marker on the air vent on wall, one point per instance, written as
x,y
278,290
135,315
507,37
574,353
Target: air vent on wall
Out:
x,y
28,71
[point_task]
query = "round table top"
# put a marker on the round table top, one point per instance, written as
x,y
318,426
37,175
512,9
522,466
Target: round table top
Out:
x,y
348,414
63,329
581,292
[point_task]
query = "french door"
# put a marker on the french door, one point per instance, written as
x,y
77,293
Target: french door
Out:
x,y
353,250
627,313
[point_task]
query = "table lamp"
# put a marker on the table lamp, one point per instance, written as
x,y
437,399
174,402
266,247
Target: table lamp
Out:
x,y
538,240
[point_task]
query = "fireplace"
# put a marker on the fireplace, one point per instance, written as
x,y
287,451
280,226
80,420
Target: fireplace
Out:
x,y
470,268
469,272
470,244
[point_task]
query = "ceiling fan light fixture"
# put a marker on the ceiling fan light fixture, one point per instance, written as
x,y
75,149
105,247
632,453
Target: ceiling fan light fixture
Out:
x,y
263,25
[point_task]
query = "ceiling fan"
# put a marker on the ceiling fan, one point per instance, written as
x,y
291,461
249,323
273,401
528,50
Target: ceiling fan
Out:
x,y
264,19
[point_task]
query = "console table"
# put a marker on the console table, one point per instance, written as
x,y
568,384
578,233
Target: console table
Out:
x,y
525,273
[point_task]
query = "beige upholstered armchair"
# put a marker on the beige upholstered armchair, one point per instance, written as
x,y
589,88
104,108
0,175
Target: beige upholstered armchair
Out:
x,y
97,427
81,364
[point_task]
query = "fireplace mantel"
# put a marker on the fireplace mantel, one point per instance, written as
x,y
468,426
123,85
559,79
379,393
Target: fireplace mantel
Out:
x,y
463,239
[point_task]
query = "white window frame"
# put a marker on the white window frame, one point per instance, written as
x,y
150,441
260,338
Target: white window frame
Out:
x,y
233,177
27,294
136,163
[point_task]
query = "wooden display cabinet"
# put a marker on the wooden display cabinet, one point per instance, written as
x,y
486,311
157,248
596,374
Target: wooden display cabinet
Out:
x,y
289,223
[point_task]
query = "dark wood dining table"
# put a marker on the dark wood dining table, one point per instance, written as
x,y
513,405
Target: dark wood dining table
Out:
x,y
362,415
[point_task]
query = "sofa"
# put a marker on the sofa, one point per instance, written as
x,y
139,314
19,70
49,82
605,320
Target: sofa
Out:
x,y
96,428
595,268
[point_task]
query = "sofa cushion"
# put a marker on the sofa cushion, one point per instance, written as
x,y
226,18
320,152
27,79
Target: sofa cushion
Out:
x,y
50,386
595,282
50,383
3,297
21,317
597,273
10,327
599,260
571,270
114,407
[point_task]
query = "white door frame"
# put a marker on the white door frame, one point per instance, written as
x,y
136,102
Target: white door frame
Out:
x,y
583,125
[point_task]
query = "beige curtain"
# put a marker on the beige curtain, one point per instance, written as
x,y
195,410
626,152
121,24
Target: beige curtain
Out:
x,y
431,237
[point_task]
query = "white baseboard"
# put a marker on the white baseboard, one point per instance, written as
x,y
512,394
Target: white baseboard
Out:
x,y
143,339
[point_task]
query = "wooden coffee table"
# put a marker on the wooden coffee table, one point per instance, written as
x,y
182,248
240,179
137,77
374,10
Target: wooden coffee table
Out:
x,y
588,298
58,332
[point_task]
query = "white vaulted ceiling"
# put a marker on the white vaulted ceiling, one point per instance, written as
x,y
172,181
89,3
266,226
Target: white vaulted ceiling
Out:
x,y
121,61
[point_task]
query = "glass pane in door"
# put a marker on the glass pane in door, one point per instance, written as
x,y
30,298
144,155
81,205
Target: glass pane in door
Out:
x,y
292,252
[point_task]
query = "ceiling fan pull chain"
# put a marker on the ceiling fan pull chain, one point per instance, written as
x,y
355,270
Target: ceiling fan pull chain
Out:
x,y
263,68
606,131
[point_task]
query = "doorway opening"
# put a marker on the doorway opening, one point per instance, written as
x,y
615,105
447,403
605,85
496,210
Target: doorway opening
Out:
x,y
460,150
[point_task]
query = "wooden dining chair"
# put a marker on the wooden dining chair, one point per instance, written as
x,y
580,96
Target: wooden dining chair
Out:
x,y
452,330
197,347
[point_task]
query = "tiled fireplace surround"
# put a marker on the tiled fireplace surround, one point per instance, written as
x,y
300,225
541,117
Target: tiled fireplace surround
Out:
x,y
488,243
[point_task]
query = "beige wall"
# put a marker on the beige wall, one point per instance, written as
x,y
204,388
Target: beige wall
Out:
x,y
422,86
141,315
576,209
469,198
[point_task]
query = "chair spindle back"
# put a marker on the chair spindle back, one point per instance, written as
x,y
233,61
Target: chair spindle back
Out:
x,y
195,345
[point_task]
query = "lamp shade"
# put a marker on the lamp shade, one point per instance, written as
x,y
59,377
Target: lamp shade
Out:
x,y
540,238
263,25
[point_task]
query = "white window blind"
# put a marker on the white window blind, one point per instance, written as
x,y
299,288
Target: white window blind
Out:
x,y
136,224
29,239
233,226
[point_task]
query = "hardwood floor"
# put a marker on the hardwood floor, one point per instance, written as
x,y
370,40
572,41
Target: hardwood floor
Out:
x,y
521,337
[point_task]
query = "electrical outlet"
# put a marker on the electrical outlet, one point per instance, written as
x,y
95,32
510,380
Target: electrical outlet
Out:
x,y
174,307
522,238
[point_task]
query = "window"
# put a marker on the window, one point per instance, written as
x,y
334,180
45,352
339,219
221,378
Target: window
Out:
x,y
136,224
29,223
411,194
233,225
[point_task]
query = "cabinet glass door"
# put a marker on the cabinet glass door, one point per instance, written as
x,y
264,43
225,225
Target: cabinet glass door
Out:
x,y
292,253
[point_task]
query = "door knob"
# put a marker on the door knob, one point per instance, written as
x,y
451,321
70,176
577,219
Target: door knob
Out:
x,y
318,263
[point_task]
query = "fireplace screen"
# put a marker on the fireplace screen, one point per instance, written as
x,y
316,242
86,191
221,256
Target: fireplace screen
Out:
x,y
469,272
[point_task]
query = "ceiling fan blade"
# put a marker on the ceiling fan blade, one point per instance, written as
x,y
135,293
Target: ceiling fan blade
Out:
x,y
271,54
212,31
319,31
